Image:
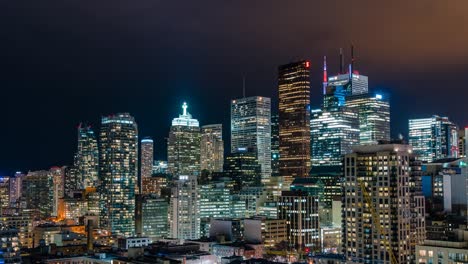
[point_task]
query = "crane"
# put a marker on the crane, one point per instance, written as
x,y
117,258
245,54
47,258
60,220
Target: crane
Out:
x,y
376,220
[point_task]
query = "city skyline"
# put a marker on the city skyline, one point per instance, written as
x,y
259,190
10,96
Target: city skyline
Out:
x,y
66,90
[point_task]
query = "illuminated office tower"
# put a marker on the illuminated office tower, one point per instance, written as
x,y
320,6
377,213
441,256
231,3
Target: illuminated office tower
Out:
x,y
146,160
4,192
274,146
16,183
58,176
391,178
38,192
154,216
433,138
374,116
86,158
184,208
183,145
333,133
212,148
118,162
242,167
294,120
251,129
302,220
214,202
340,86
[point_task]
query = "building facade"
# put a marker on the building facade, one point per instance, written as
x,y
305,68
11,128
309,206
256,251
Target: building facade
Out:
x,y
146,160
183,145
251,129
374,116
389,177
212,148
302,219
86,158
155,216
294,120
433,138
118,163
184,210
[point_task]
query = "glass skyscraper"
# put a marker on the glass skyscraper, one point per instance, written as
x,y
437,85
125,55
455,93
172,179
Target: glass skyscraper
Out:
x,y
251,130
86,158
294,120
374,116
118,161
340,86
433,138
212,148
332,135
183,145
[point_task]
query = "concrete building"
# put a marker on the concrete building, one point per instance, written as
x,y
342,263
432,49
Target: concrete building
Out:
x,y
184,208
389,176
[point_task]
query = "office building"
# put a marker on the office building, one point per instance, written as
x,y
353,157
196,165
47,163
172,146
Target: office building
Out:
x,y
447,251
212,148
153,184
118,163
184,208
433,138
333,133
294,120
251,129
274,146
10,251
214,202
154,216
302,219
183,145
58,176
374,116
86,158
22,222
160,167
254,198
242,167
382,183
16,183
146,159
342,85
38,192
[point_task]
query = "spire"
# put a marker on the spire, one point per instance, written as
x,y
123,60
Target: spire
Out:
x,y
184,107
352,59
341,61
243,86
325,77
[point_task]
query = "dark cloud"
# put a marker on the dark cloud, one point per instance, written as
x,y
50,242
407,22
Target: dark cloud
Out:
x,y
62,62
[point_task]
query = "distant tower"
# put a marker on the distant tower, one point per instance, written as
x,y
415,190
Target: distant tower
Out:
x,y
86,158
183,145
251,130
294,120
212,148
118,162
146,157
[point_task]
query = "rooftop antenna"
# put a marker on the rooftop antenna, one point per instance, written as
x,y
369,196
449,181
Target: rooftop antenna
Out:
x,y
243,86
352,58
325,77
341,61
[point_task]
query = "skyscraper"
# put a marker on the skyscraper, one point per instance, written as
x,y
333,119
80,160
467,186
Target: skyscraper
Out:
x,y
183,145
342,85
86,158
274,146
214,202
294,120
38,192
146,161
433,138
184,208
242,167
382,188
212,148
374,116
251,129
333,133
118,162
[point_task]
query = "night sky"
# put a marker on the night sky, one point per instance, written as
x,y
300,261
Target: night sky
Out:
x,y
62,62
